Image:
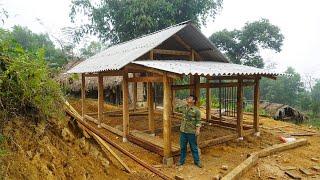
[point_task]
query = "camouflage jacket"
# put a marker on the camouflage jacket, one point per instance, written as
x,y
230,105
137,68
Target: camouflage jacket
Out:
x,y
191,119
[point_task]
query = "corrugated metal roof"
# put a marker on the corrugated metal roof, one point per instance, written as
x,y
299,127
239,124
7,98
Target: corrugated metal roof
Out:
x,y
204,68
117,56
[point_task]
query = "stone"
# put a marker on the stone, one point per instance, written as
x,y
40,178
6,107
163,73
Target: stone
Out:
x,y
314,159
177,177
217,177
224,167
306,172
293,174
316,168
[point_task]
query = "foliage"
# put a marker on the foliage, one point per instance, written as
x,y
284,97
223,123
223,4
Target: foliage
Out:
x,y
90,50
315,96
26,86
285,90
119,21
31,42
2,151
242,46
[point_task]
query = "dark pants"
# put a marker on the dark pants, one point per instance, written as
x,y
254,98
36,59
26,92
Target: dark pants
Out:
x,y
192,139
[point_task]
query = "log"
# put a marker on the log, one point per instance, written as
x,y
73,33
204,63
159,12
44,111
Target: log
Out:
x,y
256,100
166,118
238,171
125,99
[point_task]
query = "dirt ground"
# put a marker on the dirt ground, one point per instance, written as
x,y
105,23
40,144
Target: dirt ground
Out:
x,y
65,154
232,153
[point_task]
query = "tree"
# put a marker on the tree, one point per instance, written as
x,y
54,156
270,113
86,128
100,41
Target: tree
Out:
x,y
242,46
90,50
31,42
122,20
315,96
285,90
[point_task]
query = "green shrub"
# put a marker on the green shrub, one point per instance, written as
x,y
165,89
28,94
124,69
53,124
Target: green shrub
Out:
x,y
26,86
2,151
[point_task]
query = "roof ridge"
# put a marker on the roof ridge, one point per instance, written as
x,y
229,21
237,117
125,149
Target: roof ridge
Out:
x,y
175,25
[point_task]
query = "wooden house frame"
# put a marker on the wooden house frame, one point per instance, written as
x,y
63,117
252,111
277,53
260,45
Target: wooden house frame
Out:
x,y
174,46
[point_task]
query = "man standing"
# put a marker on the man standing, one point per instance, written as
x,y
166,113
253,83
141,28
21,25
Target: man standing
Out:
x,y
189,130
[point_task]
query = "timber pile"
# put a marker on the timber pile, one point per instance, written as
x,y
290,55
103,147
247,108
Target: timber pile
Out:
x,y
238,171
103,139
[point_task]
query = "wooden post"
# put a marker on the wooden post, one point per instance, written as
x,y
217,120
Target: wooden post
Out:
x,y
173,101
197,89
167,158
100,99
83,94
125,98
150,107
191,81
135,92
220,102
208,102
256,106
240,108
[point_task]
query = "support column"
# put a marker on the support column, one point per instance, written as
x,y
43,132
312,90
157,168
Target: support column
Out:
x,y
150,101
220,102
173,101
240,108
197,89
83,94
208,101
167,158
125,108
100,99
135,92
256,101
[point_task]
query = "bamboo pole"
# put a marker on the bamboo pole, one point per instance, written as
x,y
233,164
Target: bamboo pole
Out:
x,y
83,94
208,102
167,158
240,108
125,94
100,99
256,105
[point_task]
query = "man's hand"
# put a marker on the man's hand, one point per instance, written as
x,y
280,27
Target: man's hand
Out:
x,y
197,131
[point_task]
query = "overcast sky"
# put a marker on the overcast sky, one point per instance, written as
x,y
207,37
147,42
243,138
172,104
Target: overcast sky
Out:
x,y
299,22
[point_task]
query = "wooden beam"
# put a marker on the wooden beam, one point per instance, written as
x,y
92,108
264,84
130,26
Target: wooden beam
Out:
x,y
135,94
173,101
197,89
256,105
125,99
153,70
185,45
100,99
167,121
150,101
240,108
105,73
171,52
208,103
83,94
210,85
146,79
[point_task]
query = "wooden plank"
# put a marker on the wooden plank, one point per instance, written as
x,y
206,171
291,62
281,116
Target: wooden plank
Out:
x,y
83,94
125,99
210,85
171,52
256,100
146,79
197,89
166,117
153,70
240,108
100,98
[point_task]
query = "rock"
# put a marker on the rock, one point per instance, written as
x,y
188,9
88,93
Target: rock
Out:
x,y
29,153
177,177
314,159
287,168
217,177
272,177
293,174
316,168
224,167
306,172
67,135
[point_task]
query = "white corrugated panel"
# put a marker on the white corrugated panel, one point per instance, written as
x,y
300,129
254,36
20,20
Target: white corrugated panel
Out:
x,y
204,68
117,56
